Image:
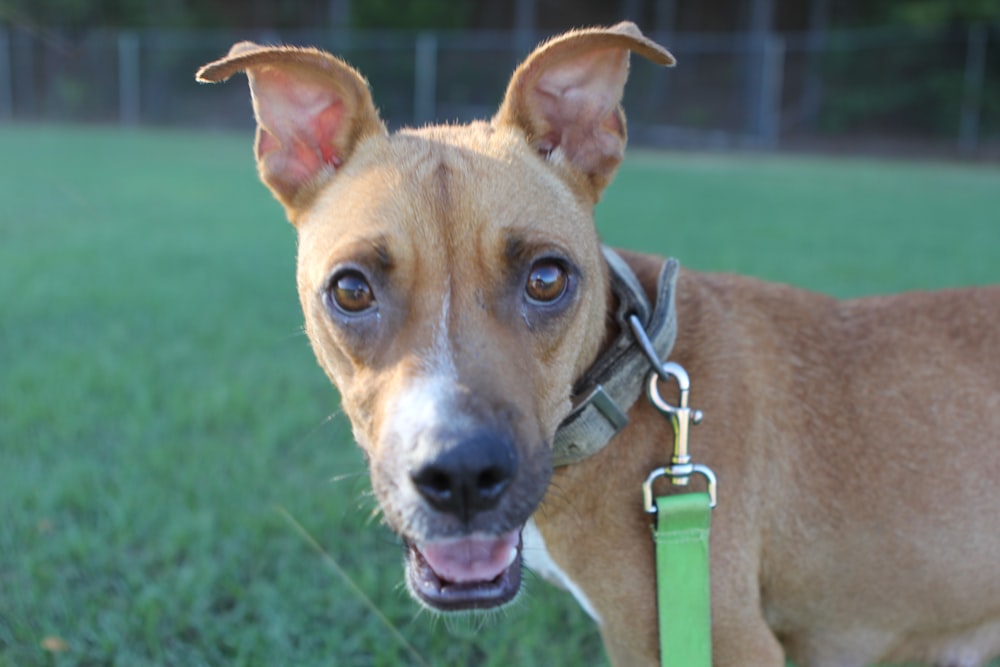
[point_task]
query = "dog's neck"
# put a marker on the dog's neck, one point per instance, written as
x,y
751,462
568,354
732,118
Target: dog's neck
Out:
x,y
612,384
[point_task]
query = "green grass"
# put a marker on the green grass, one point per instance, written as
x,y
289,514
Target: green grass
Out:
x,y
159,402
844,227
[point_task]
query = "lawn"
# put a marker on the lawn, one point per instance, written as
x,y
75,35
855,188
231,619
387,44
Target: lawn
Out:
x,y
164,429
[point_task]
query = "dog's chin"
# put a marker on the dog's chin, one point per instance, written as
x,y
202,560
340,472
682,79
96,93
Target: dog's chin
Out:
x,y
462,574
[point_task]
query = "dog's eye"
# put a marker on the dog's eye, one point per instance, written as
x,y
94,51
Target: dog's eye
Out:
x,y
546,281
351,292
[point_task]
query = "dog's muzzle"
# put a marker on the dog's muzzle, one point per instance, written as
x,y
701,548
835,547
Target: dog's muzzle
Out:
x,y
472,560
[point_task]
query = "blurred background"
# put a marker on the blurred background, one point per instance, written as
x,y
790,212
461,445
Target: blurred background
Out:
x,y
832,75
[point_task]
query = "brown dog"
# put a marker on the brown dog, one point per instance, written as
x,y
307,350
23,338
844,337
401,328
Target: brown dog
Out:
x,y
455,291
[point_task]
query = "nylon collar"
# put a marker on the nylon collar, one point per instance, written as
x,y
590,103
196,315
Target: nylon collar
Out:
x,y
610,387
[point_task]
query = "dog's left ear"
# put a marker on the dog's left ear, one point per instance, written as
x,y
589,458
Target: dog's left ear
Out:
x,y
566,97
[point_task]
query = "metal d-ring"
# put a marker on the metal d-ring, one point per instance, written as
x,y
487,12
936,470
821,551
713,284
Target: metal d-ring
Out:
x,y
649,501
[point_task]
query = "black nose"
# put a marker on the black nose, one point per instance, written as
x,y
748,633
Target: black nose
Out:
x,y
469,476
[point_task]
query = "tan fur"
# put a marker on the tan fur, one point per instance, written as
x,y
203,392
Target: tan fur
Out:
x,y
857,453
855,442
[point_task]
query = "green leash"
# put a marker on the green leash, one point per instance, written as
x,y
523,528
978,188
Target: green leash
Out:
x,y
682,585
680,531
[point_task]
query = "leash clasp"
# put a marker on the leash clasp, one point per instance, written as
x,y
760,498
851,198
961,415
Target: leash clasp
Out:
x,y
682,417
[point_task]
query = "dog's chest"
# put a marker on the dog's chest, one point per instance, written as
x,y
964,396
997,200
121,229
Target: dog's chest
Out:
x,y
538,560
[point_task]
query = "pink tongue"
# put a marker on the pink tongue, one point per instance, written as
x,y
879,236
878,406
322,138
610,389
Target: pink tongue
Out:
x,y
471,559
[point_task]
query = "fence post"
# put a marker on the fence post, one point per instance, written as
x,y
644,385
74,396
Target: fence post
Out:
x,y
972,90
772,80
425,78
6,76
525,12
811,102
129,82
22,49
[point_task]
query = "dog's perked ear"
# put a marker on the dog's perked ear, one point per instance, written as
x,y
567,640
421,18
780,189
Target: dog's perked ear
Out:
x,y
312,109
566,97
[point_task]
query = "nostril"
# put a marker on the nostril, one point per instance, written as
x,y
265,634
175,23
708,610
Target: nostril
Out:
x,y
434,484
492,482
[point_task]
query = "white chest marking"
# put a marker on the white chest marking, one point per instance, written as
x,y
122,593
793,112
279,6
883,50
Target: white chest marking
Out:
x,y
538,560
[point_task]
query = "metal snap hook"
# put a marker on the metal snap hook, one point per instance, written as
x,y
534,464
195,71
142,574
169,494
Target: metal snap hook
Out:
x,y
681,417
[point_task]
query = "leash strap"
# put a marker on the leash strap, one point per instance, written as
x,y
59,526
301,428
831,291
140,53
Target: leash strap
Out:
x,y
681,524
682,579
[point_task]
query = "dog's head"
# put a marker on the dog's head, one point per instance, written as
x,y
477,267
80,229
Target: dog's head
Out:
x,y
452,283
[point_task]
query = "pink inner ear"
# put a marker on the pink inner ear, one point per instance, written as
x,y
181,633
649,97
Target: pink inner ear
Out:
x,y
325,127
577,101
301,121
578,98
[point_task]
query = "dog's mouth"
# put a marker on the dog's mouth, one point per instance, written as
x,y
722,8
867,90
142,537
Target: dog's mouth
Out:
x,y
475,572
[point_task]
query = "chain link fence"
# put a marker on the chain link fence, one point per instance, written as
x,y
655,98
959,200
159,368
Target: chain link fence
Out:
x,y
935,90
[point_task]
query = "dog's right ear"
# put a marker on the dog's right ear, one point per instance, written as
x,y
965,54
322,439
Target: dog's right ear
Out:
x,y
312,110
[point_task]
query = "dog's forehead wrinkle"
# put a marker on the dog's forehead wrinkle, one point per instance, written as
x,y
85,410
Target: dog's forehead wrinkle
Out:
x,y
473,180
442,185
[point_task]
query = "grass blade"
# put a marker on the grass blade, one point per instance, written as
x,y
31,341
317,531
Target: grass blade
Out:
x,y
332,563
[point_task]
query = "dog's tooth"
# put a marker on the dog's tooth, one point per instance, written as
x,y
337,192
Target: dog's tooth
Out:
x,y
511,557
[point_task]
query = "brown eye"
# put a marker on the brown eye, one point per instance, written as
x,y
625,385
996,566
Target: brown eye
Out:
x,y
546,282
351,292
